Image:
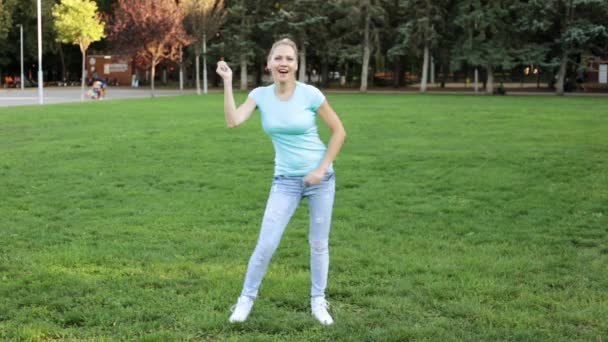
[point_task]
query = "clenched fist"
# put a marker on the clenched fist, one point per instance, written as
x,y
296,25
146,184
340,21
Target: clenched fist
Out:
x,y
224,70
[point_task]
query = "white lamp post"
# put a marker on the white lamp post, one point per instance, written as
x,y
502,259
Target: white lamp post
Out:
x,y
40,80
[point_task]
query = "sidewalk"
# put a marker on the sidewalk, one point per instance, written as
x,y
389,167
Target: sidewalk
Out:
x,y
29,96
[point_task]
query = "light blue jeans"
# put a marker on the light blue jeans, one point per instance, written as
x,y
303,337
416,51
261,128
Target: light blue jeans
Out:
x,y
285,195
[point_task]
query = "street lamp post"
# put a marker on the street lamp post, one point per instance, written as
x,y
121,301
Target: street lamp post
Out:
x,y
21,49
40,80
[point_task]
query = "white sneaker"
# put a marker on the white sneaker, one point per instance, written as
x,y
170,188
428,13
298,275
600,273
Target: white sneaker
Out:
x,y
241,310
319,309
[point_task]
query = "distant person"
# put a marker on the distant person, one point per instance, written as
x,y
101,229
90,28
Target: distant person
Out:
x,y
8,81
303,168
100,83
134,81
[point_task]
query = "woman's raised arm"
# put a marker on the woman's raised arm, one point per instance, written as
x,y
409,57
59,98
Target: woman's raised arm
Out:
x,y
234,116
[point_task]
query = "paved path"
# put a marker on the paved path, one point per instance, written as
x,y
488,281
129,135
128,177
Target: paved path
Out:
x,y
29,96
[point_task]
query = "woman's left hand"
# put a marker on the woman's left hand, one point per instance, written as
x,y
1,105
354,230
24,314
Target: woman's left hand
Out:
x,y
314,177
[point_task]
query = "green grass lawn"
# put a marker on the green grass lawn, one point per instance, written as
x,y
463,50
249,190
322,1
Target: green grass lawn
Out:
x,y
456,218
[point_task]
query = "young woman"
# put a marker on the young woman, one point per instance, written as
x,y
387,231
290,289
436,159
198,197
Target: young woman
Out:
x,y
303,168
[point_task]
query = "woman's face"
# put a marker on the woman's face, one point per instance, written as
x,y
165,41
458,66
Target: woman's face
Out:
x,y
283,64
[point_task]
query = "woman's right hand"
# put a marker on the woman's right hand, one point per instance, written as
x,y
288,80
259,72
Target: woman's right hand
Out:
x,y
224,70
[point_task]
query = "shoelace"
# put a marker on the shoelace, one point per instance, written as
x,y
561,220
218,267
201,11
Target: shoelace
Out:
x,y
232,308
323,304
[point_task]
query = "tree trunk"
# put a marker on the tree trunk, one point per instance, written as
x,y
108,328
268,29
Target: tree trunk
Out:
x,y
345,75
243,72
260,73
366,50
152,80
62,57
561,75
425,69
197,62
324,73
490,81
302,67
204,64
181,72
84,56
432,70
398,78
372,68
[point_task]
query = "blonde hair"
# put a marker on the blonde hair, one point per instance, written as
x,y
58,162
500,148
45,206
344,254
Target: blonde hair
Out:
x,y
284,41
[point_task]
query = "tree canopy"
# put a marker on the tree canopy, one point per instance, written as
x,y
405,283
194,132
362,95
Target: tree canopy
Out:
x,y
77,22
353,40
150,30
203,20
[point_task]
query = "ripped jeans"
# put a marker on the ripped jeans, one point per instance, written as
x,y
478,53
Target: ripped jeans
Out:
x,y
285,195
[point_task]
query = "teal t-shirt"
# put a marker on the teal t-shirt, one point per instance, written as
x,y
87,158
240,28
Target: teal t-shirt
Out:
x,y
292,127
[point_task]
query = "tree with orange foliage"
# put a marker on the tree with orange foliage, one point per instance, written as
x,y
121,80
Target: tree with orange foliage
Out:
x,y
149,30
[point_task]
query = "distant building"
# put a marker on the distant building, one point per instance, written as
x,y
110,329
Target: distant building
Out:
x,y
117,70
597,70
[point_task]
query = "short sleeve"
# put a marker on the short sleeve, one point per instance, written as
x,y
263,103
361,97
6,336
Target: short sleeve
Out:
x,y
316,98
255,94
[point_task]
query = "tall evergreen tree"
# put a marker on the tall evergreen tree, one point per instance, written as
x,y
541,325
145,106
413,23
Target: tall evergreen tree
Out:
x,y
486,36
571,27
307,19
24,13
367,16
6,11
239,43
337,45
420,31
6,26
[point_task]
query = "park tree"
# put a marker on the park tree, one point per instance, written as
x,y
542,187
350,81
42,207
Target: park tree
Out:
x,y
356,31
238,36
395,14
24,12
6,25
420,31
6,22
305,21
150,31
204,19
269,25
339,44
300,20
532,41
486,38
371,12
447,39
77,22
106,6
571,27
